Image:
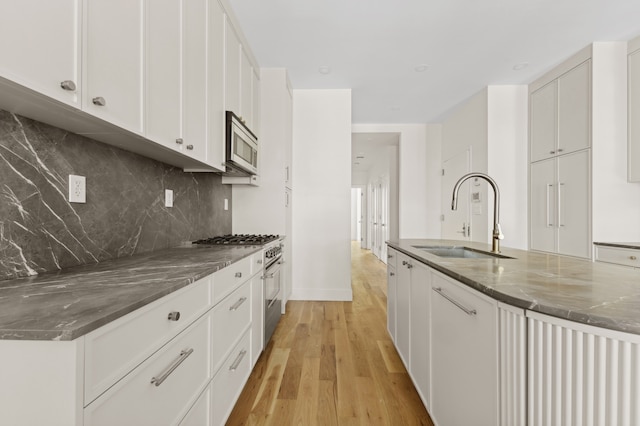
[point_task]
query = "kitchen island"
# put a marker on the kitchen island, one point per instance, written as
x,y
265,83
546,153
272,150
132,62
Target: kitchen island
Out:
x,y
534,339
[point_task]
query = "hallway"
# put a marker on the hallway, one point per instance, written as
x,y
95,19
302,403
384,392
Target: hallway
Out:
x,y
333,363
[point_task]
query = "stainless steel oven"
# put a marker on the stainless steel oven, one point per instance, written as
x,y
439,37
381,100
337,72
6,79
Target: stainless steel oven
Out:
x,y
272,290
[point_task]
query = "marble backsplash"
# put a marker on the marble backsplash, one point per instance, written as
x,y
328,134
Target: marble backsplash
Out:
x,y
124,214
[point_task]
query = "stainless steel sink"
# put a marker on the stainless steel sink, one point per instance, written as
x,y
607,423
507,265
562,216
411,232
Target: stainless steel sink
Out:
x,y
461,252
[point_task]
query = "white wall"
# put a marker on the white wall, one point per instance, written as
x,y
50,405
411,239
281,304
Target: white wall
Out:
x,y
508,160
494,123
418,198
616,203
322,176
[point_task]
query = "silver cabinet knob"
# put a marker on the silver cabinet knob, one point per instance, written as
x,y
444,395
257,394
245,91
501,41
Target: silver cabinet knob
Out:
x,y
633,257
552,152
179,141
392,274
174,316
259,261
189,147
238,274
99,101
68,85
560,149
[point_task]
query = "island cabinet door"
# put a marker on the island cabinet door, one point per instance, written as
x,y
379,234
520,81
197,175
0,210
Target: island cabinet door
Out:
x,y
464,355
581,375
403,299
420,314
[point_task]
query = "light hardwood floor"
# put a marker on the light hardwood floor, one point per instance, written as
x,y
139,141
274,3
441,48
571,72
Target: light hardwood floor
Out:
x,y
333,363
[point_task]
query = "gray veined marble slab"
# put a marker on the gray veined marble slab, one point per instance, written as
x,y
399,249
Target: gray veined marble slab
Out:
x,y
70,303
593,293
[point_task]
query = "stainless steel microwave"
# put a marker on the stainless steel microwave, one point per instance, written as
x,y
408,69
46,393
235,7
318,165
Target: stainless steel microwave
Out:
x,y
242,148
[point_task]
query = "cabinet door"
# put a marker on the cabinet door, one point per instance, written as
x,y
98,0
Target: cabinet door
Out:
x,y
392,283
543,127
195,78
464,352
163,85
246,77
215,74
257,317
112,59
543,188
288,105
40,48
634,117
420,333
574,106
574,237
232,69
255,102
403,298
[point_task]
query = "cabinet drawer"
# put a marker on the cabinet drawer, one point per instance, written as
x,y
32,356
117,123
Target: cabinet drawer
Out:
x,y
257,262
230,318
200,413
144,398
619,256
228,279
229,381
392,255
117,348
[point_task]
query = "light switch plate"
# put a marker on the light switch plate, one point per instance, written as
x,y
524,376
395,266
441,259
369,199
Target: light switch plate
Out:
x,y
226,204
168,198
77,189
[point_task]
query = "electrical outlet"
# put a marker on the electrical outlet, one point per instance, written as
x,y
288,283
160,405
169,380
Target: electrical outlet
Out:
x,y
168,198
77,189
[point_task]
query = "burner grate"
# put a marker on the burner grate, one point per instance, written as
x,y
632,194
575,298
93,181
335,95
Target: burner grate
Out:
x,y
238,239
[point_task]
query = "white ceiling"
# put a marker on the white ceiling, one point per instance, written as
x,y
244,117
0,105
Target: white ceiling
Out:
x,y
374,46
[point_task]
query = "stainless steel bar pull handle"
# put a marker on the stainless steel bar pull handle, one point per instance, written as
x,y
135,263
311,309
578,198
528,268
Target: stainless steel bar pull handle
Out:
x,y
560,221
99,101
266,276
68,85
238,360
549,224
467,311
184,354
236,305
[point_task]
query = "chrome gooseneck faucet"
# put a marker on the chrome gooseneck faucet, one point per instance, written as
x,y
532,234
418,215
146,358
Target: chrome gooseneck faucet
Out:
x,y
497,231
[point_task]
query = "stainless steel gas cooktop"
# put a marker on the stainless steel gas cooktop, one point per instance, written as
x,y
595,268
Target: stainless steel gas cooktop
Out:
x,y
238,239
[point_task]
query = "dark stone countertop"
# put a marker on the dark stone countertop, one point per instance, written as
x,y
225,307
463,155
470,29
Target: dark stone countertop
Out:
x,y
72,302
593,293
635,246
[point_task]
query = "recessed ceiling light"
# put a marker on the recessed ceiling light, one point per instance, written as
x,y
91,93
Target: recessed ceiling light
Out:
x,y
324,69
421,68
520,66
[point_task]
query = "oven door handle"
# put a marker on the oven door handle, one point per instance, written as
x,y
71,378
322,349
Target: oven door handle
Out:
x,y
267,276
272,301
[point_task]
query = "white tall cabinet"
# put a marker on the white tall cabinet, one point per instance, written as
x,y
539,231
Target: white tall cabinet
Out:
x,y
633,161
577,154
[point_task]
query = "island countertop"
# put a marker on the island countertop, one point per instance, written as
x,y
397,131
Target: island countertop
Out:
x,y
72,302
593,293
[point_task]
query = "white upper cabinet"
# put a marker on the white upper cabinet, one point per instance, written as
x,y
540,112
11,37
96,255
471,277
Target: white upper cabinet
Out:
x,y
215,85
246,80
112,61
560,114
34,58
255,101
232,69
163,90
195,78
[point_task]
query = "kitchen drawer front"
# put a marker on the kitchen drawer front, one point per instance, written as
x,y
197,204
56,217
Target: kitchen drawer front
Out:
x,y
200,413
229,381
230,318
392,255
228,279
619,256
142,398
257,262
117,348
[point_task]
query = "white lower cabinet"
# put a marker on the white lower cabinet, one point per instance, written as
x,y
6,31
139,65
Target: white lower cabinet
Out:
x,y
420,318
392,284
464,341
581,375
618,256
200,413
229,380
161,390
403,299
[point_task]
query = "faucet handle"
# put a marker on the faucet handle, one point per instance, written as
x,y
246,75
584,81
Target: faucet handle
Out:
x,y
497,232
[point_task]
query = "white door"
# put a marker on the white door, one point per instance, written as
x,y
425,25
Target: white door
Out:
x,y
374,219
363,218
456,225
574,238
384,194
542,205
